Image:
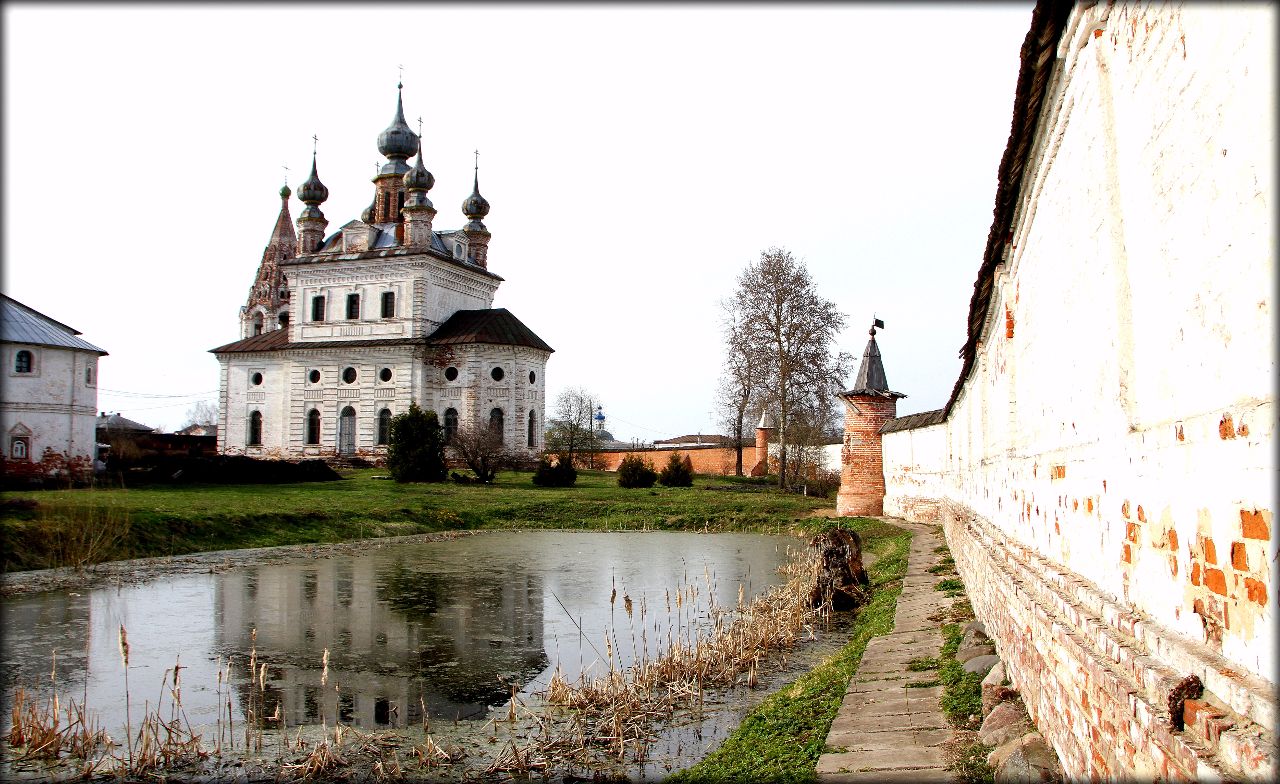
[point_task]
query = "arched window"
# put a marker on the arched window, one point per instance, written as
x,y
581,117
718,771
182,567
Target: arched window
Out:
x,y
495,422
283,318
255,428
457,250
257,323
533,430
313,426
450,423
384,426
88,375
22,362
20,448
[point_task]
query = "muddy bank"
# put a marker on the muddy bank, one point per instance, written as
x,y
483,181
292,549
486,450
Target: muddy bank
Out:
x,y
140,570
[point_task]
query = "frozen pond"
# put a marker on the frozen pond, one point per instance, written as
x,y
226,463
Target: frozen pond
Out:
x,y
448,625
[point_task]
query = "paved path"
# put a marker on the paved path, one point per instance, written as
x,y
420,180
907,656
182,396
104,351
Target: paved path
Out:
x,y
884,730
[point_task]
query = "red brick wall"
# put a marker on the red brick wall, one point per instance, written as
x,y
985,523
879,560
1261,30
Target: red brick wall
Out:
x,y
706,460
861,458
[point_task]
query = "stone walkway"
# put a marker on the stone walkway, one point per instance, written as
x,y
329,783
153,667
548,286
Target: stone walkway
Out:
x,y
884,730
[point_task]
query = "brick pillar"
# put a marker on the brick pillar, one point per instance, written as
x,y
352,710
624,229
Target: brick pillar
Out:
x,y
761,465
861,458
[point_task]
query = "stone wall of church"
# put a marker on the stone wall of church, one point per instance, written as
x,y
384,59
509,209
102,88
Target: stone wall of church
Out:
x,y
1106,474
54,407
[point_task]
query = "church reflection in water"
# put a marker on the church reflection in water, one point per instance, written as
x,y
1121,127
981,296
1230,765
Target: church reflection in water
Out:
x,y
398,639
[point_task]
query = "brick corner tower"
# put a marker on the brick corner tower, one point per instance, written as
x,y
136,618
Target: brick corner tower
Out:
x,y
868,405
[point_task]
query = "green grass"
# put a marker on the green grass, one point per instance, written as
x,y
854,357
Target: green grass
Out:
x,y
962,695
952,586
185,519
782,738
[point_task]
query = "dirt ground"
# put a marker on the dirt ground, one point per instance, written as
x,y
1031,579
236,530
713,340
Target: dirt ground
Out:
x,y
140,570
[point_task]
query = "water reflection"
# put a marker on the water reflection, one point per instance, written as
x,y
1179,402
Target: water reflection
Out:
x,y
449,626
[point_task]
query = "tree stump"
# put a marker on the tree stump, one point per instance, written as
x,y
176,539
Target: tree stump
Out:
x,y
840,577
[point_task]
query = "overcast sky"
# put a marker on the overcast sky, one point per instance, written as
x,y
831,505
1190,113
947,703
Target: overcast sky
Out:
x,y
636,158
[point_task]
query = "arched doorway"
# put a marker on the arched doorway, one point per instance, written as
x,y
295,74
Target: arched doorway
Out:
x,y
347,431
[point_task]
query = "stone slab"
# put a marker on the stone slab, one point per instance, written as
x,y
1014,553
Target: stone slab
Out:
x,y
922,775
864,741
867,722
905,756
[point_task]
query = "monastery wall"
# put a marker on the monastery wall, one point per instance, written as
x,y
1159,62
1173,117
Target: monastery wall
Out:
x,y
706,459
1105,476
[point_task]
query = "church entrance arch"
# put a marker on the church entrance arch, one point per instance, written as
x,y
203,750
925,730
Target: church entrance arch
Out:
x,y
347,431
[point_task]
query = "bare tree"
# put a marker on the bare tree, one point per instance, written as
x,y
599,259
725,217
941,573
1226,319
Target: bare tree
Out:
x,y
203,412
741,385
573,432
481,448
788,333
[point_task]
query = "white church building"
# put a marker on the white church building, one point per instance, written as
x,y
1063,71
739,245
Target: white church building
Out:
x,y
49,399
342,332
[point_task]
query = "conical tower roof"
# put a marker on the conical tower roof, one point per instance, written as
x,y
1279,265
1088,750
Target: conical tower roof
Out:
x,y
871,379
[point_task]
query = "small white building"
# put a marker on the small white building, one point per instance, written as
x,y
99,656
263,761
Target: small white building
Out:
x,y
49,402
342,333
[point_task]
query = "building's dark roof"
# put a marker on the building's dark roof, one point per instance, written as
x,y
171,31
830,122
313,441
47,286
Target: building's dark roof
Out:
x,y
385,245
21,324
1038,57
117,423
495,325
912,421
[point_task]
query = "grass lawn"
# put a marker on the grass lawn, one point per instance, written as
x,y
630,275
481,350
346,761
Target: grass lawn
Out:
x,y
79,527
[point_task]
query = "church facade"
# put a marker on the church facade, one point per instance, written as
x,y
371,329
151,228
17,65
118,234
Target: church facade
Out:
x,y
342,332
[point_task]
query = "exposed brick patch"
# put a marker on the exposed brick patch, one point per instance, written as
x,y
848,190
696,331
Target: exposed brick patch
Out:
x,y
1195,572
1173,539
1255,524
1215,581
1243,430
1239,560
1008,322
1178,431
1142,515
1256,591
1173,565
1124,509
1226,429
1059,472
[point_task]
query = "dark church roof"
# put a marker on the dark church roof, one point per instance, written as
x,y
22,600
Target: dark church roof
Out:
x,y
495,325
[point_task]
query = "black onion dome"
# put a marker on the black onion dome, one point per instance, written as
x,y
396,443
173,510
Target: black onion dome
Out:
x,y
313,191
475,207
418,178
285,192
398,141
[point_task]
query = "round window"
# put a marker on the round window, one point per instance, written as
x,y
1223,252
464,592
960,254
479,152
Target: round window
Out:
x,y
314,377
385,374
496,374
349,375
532,377
256,378
451,373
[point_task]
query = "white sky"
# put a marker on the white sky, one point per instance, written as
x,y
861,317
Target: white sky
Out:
x,y
636,158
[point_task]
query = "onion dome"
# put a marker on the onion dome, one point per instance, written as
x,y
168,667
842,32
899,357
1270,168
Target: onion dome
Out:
x,y
369,212
285,193
398,141
418,178
312,191
475,207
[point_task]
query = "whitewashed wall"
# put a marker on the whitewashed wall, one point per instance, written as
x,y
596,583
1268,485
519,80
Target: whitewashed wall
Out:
x,y
54,401
1115,443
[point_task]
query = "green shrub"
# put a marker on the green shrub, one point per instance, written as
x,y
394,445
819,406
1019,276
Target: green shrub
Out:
x,y
562,474
636,472
678,472
415,452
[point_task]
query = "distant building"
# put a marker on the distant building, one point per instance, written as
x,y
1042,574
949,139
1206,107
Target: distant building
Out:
x,y
341,333
699,439
50,391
